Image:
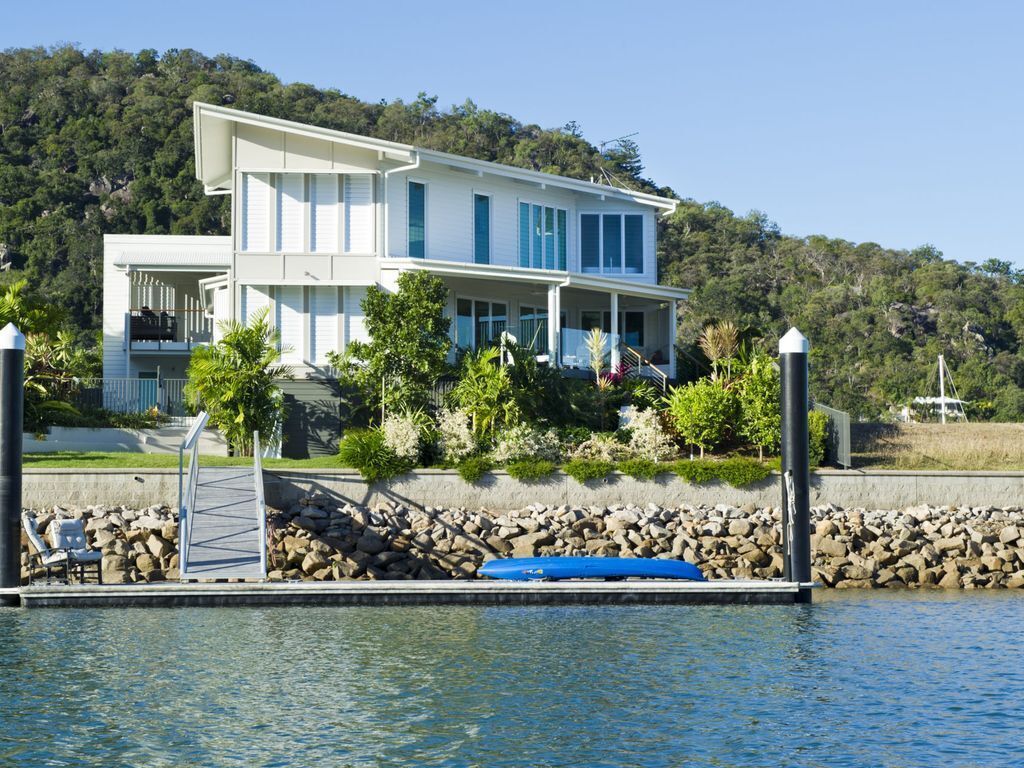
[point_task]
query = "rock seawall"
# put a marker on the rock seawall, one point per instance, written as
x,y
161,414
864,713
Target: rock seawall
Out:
x,y
320,539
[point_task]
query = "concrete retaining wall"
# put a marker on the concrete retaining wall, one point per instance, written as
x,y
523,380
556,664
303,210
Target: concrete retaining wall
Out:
x,y
497,491
162,440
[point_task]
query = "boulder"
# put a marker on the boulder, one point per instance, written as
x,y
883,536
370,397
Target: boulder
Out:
x,y
158,547
371,542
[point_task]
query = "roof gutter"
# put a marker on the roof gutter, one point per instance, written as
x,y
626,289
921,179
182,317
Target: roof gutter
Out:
x,y
384,197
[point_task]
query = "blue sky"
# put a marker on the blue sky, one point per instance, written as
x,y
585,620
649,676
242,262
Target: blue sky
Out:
x,y
896,122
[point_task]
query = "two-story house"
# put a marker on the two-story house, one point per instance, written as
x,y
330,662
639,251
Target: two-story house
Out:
x,y
319,215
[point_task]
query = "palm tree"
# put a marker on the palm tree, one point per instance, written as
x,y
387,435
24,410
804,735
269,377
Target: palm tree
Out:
x,y
234,381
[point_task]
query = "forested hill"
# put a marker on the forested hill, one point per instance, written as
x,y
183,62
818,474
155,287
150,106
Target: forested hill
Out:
x,y
101,142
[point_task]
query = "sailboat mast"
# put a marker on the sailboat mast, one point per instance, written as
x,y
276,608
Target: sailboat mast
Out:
x,y
942,389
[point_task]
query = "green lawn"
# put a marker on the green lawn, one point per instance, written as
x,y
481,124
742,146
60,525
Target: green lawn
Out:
x,y
100,460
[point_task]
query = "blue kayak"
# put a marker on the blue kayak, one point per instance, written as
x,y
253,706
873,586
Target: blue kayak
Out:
x,y
555,568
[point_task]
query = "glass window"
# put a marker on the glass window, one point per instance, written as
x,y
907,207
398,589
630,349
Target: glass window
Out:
x,y
533,327
417,219
612,243
464,324
590,320
590,243
561,239
542,236
481,229
634,244
524,234
631,326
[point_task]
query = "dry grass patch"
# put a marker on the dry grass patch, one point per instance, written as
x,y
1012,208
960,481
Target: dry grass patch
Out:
x,y
938,446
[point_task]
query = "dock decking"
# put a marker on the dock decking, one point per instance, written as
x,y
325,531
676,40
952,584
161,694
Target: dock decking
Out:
x,y
406,593
224,535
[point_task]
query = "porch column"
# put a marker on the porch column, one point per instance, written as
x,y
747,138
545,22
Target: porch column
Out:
x,y
614,340
553,324
672,339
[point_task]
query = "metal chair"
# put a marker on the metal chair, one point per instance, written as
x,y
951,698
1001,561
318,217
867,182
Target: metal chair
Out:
x,y
68,549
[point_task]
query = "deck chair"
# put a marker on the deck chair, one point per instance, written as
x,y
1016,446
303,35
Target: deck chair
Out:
x,y
68,536
58,560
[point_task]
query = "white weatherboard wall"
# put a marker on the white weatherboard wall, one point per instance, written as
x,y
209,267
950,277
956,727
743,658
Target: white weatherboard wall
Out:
x,y
449,218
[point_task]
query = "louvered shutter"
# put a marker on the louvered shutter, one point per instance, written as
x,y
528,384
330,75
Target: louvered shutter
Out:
x,y
255,212
358,213
324,212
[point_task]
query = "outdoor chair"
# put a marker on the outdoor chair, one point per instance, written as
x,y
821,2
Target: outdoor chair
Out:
x,y
68,550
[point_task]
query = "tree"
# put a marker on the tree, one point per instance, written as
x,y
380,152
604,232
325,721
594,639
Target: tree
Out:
x,y
703,412
760,411
233,380
408,347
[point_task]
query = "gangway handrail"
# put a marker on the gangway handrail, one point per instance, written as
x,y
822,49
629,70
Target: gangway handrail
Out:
x,y
187,494
261,504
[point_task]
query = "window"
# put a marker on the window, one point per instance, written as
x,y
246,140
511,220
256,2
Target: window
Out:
x,y
323,229
291,210
533,327
479,323
612,243
481,229
290,310
542,236
631,324
255,212
417,219
358,207
323,322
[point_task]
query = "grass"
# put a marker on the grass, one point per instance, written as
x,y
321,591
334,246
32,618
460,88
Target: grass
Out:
x,y
99,460
955,446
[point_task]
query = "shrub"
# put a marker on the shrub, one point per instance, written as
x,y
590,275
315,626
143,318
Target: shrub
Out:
x,y
367,451
525,442
484,391
817,428
648,438
402,433
600,446
760,411
642,469
472,468
530,470
584,470
702,412
737,471
455,437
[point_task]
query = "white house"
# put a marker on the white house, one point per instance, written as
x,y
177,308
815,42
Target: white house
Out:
x,y
319,215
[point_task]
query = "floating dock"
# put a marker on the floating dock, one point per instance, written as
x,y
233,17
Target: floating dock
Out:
x,y
407,593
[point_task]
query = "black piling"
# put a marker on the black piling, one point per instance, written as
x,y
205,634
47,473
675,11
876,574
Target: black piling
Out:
x,y
796,473
12,407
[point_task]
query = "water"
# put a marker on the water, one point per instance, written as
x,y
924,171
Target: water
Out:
x,y
858,679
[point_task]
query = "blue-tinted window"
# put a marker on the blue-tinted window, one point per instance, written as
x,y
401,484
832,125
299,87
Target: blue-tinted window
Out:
x,y
481,229
590,242
524,234
634,244
417,219
561,239
612,243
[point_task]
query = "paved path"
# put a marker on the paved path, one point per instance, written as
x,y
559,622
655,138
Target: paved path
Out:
x,y
224,529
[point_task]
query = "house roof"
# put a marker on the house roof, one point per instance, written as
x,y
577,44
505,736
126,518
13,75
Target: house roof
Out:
x,y
168,251
213,132
550,276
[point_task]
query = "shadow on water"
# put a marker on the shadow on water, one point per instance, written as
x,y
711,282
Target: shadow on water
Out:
x,y
855,679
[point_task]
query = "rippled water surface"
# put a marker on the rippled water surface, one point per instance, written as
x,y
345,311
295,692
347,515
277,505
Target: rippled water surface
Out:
x,y
913,679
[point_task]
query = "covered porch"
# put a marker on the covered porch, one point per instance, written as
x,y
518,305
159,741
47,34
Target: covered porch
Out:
x,y
554,312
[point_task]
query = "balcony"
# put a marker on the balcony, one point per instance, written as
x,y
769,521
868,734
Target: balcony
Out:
x,y
167,330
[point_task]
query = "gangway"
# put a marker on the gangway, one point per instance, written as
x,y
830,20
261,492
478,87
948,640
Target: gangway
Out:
x,y
221,515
